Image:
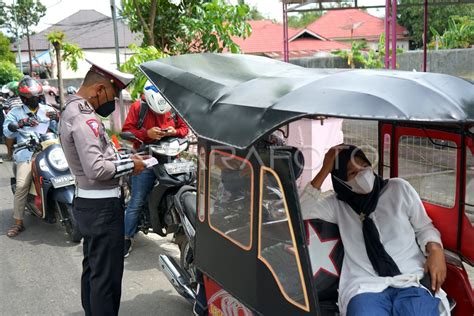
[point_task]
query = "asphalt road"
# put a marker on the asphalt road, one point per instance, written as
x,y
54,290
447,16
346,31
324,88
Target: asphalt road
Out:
x,y
40,271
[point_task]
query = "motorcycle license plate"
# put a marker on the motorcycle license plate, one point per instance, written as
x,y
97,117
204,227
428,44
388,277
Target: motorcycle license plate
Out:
x,y
63,181
180,167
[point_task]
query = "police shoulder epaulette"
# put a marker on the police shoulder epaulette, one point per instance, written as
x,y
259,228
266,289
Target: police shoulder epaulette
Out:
x,y
85,108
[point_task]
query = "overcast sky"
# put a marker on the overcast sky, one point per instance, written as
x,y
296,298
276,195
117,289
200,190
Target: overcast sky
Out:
x,y
60,9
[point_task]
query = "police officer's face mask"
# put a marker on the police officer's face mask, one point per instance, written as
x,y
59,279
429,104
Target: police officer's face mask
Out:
x,y
105,109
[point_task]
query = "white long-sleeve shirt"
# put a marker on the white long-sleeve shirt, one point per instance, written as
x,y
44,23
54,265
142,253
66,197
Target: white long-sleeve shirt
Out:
x,y
404,227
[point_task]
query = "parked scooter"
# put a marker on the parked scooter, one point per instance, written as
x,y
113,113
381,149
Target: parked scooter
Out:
x,y
172,173
52,190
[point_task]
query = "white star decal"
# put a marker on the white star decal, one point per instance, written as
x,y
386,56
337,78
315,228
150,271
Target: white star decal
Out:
x,y
320,251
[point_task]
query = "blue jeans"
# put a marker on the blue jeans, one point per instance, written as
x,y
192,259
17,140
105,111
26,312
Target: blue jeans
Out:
x,y
142,185
412,301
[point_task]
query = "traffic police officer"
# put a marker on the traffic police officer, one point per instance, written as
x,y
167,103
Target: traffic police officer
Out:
x,y
98,207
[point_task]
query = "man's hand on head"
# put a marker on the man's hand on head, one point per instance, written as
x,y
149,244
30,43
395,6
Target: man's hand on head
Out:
x,y
435,265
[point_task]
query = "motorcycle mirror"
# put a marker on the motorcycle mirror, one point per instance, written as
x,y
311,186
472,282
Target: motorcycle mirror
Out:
x,y
129,136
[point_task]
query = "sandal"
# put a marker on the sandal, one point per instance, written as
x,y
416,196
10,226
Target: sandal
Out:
x,y
15,230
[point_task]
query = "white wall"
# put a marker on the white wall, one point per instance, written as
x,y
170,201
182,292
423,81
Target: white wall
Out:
x,y
314,140
403,44
400,44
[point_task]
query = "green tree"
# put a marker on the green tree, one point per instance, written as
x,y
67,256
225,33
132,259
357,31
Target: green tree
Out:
x,y
191,25
210,27
67,52
361,57
5,52
459,34
20,17
8,72
438,19
355,56
140,55
254,14
303,19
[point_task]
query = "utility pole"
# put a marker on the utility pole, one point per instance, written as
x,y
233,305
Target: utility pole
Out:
x,y
17,37
117,57
29,50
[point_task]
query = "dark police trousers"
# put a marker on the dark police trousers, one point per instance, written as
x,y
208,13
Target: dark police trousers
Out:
x,y
101,222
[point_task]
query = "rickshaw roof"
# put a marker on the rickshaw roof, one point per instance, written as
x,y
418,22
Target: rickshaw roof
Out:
x,y
235,99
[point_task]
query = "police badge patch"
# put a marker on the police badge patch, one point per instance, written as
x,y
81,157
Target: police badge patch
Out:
x,y
94,125
85,108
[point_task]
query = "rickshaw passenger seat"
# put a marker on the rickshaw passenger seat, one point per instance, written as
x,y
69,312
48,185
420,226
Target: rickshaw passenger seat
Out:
x,y
325,235
325,281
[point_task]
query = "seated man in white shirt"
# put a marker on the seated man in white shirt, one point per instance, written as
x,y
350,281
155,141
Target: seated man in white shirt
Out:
x,y
386,235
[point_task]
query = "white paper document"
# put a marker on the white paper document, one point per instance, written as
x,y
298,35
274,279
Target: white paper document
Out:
x,y
43,126
150,162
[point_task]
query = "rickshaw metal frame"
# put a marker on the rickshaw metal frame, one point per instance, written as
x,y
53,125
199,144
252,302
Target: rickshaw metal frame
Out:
x,y
463,132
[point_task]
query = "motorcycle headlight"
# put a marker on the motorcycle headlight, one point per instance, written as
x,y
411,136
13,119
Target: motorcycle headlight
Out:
x,y
170,149
58,160
43,166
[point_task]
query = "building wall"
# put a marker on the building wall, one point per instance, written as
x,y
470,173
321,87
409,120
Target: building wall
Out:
x,y
457,62
403,44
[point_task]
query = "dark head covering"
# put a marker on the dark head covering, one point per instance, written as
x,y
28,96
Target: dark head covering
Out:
x,y
364,205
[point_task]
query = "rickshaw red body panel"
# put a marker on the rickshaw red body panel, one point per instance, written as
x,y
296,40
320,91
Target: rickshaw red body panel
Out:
x,y
458,287
220,302
467,229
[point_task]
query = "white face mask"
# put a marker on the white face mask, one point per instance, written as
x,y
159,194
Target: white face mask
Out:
x,y
363,182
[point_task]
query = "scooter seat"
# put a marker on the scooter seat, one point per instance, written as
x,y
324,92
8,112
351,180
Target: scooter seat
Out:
x,y
185,201
189,206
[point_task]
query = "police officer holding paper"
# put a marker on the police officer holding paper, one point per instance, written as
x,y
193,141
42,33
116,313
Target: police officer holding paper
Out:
x,y
98,207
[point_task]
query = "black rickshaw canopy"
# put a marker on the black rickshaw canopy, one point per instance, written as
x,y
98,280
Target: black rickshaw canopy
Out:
x,y
235,99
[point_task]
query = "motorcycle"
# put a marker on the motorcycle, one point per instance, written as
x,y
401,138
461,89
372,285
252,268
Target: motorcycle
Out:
x,y
172,173
52,190
184,276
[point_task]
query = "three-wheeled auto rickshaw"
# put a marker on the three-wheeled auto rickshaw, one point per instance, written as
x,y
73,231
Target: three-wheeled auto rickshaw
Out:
x,y
252,249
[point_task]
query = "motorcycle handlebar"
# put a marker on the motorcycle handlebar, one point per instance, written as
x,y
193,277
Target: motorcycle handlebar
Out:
x,y
22,144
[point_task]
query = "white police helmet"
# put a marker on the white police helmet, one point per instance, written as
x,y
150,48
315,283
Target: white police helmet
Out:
x,y
154,99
